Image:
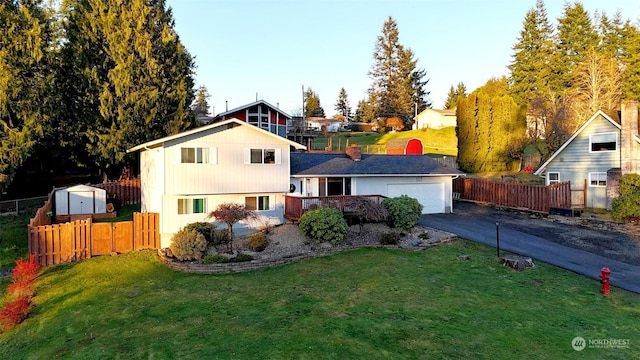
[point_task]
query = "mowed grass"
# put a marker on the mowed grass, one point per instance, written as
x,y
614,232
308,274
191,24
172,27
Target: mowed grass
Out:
x,y
367,303
442,142
13,239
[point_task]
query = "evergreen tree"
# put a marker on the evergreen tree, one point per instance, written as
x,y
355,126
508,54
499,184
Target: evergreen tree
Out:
x,y
631,59
312,107
576,36
25,80
342,104
452,99
530,73
129,77
611,36
398,85
201,103
491,129
454,94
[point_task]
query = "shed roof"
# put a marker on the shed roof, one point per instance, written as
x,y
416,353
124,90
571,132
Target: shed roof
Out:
x,y
399,143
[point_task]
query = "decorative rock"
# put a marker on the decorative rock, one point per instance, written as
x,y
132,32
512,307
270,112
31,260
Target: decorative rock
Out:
x,y
464,257
519,263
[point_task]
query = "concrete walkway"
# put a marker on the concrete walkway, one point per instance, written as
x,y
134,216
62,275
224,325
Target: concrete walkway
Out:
x,y
623,275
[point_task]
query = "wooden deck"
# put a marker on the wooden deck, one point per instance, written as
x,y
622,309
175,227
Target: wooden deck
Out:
x,y
295,206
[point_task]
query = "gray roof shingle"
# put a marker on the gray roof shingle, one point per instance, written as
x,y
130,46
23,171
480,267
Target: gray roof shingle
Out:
x,y
332,164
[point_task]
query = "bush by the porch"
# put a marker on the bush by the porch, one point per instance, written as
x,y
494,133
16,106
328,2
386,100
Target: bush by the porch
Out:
x,y
324,224
188,245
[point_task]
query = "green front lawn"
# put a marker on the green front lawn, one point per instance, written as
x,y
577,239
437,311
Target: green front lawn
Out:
x,y
368,303
13,239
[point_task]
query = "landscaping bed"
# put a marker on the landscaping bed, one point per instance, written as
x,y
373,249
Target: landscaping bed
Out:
x,y
287,244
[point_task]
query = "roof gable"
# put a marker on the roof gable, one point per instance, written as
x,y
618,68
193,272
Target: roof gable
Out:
x,y
244,107
595,116
223,125
332,164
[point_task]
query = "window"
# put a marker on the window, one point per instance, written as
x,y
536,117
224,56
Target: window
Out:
x,y
554,178
257,202
263,156
334,186
603,142
598,179
192,206
194,155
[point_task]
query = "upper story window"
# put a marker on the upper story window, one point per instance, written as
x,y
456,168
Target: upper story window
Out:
x,y
263,156
197,155
603,142
192,206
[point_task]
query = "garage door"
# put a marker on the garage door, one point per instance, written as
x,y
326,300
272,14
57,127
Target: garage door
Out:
x,y
431,196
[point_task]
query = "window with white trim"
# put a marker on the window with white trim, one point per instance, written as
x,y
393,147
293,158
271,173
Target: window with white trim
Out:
x,y
598,179
192,206
197,155
553,178
263,156
256,202
603,142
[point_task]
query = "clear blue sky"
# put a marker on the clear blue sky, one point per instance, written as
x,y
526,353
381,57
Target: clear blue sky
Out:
x,y
273,48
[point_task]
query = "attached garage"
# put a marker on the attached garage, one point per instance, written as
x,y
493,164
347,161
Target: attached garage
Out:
x,y
430,195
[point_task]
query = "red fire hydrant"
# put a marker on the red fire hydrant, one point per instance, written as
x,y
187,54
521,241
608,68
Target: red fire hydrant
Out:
x,y
604,279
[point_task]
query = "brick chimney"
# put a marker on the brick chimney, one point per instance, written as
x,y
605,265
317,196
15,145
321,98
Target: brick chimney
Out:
x,y
629,149
354,152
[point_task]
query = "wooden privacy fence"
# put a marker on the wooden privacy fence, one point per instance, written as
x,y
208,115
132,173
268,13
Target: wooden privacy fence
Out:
x,y
82,239
124,192
533,197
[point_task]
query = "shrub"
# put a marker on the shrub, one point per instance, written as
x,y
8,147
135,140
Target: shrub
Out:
x,y
258,241
627,206
22,288
220,237
404,211
15,312
425,236
325,224
204,228
214,259
241,258
25,270
188,245
390,238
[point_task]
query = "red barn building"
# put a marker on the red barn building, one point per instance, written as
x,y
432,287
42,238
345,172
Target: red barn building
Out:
x,y
411,146
260,114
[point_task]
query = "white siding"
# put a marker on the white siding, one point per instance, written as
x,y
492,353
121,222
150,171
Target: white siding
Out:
x,y
152,179
229,174
379,185
172,221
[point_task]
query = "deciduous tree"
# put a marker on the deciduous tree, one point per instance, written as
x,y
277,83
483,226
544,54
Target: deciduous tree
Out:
x,y
231,213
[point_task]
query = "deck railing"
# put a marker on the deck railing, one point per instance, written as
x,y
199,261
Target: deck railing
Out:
x,y
295,206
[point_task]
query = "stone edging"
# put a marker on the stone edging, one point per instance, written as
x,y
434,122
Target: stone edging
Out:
x,y
226,268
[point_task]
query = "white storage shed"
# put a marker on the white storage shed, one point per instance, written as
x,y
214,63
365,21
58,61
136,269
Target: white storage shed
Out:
x,y
80,199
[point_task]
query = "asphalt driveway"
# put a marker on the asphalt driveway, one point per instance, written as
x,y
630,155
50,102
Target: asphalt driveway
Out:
x,y
582,249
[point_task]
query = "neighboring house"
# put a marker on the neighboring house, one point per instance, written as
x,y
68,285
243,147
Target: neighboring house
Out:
x,y
407,146
261,114
435,119
317,123
186,176
327,174
603,149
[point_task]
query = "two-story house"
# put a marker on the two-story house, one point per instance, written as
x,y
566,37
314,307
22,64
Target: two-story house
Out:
x,y
186,176
593,159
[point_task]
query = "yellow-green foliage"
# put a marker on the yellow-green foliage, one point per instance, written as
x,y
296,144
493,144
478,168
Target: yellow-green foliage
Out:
x,y
258,241
627,206
188,245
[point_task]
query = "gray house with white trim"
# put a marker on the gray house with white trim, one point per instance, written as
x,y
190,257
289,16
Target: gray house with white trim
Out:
x,y
593,159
